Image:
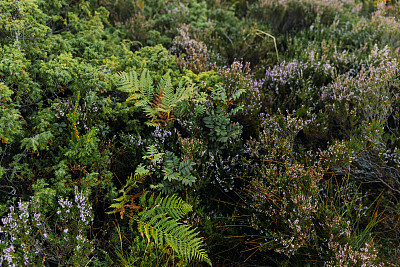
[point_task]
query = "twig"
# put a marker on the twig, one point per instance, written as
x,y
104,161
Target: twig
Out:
x,y
259,32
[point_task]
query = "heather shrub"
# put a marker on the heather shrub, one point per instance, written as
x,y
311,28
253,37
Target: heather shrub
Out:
x,y
227,132
234,39
192,53
352,33
294,84
239,77
291,16
30,237
316,45
297,212
385,28
368,95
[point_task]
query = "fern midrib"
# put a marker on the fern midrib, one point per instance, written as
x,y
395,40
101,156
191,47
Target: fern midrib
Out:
x,y
202,253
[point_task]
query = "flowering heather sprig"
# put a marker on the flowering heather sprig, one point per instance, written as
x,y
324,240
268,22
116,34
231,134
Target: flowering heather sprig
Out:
x,y
159,137
368,94
282,84
343,253
239,77
192,53
336,156
343,58
276,138
161,134
131,140
287,73
85,209
25,231
285,198
222,168
17,245
193,148
317,4
65,204
286,203
295,80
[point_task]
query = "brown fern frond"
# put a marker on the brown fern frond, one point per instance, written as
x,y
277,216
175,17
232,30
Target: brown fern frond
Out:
x,y
157,101
162,118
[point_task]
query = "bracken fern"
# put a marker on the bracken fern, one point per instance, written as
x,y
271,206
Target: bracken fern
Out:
x,y
159,223
158,104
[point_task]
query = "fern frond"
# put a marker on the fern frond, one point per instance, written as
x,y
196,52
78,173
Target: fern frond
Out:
x,y
157,104
219,94
168,97
185,169
173,206
146,85
153,154
171,161
128,81
183,93
150,112
141,172
178,171
166,231
200,110
236,95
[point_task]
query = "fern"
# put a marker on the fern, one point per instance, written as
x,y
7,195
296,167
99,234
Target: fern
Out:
x,y
220,126
130,83
157,226
158,222
219,95
38,142
222,100
177,174
173,206
157,104
126,201
168,98
152,154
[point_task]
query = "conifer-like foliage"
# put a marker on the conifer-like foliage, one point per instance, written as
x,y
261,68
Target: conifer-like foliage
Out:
x,y
180,133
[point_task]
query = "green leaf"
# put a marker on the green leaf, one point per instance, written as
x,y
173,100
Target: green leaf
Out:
x,y
156,225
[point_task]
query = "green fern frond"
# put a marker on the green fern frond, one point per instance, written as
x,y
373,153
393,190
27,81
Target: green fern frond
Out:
x,y
152,154
146,85
236,95
140,89
168,96
186,168
173,206
178,171
219,94
183,93
157,104
165,231
127,81
171,161
147,108
141,172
